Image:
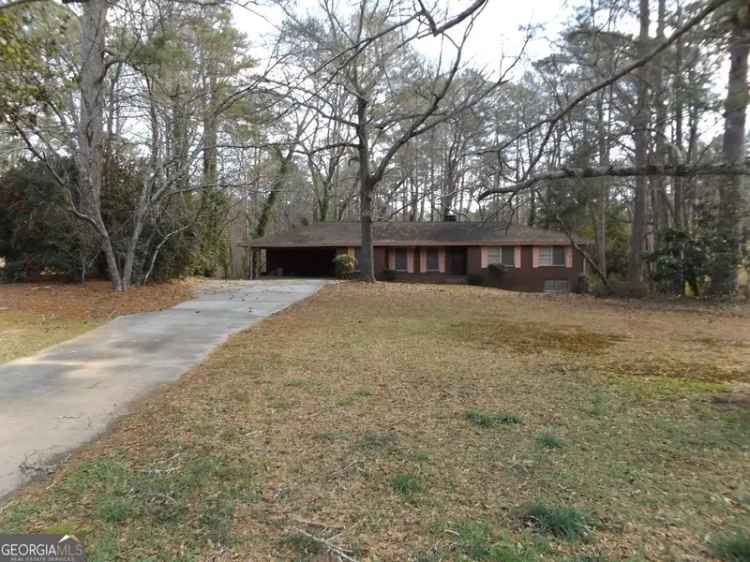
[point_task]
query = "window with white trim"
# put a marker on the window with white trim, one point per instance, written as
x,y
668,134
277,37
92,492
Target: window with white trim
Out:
x,y
501,255
552,255
433,259
401,260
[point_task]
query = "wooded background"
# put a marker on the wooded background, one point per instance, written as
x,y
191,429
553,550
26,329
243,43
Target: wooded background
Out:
x,y
141,140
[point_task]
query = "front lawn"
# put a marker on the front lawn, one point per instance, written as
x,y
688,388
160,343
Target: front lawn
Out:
x,y
430,423
37,315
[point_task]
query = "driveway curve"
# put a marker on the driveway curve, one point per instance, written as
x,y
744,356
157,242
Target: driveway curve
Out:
x,y
57,400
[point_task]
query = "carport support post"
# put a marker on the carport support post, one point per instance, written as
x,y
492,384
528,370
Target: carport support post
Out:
x,y
254,264
251,263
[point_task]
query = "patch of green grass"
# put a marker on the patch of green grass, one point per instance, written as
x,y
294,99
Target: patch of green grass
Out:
x,y
106,474
598,557
332,435
490,420
304,547
433,555
566,523
113,509
215,520
422,456
475,540
378,441
296,382
106,549
17,515
157,501
407,485
356,396
282,405
549,441
735,431
598,406
732,548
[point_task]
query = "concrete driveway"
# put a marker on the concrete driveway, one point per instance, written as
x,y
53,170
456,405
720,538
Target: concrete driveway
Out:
x,y
59,399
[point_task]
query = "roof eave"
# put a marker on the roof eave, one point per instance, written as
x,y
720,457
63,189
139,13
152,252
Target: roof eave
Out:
x,y
395,243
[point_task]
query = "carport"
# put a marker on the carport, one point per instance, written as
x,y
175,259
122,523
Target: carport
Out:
x,y
301,262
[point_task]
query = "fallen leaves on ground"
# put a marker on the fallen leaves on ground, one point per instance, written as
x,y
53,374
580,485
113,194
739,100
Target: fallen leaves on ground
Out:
x,y
93,300
34,316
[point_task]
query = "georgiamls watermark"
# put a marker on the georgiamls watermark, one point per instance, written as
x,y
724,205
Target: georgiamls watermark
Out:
x,y
41,548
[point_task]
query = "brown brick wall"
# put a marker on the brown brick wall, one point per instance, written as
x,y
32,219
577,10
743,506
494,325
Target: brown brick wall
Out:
x,y
529,278
525,278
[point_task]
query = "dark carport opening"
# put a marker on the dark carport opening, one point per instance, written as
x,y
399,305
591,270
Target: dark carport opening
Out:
x,y
301,262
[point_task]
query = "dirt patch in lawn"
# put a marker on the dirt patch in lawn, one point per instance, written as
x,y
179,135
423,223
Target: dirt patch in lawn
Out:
x,y
736,396
363,422
530,337
37,315
671,368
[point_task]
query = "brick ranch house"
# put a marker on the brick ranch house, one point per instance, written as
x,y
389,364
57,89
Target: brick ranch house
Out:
x,y
516,257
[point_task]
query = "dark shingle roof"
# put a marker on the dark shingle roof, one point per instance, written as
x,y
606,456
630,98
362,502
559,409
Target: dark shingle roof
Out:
x,y
342,234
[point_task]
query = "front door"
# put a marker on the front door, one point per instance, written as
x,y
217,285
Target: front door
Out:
x,y
456,261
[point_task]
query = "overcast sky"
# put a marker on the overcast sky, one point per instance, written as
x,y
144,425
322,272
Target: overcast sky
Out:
x,y
496,39
497,32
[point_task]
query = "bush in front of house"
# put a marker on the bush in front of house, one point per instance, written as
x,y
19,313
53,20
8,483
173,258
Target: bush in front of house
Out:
x,y
474,279
13,272
582,285
497,268
38,233
345,265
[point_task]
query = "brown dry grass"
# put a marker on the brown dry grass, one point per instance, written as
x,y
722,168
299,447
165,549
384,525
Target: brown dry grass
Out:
x,y
345,417
36,315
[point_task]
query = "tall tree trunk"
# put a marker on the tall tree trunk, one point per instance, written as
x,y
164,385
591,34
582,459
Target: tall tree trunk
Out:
x,y
658,183
366,261
210,126
679,107
276,187
414,192
270,203
180,141
678,155
138,222
324,202
640,122
91,124
724,271
139,215
432,176
600,233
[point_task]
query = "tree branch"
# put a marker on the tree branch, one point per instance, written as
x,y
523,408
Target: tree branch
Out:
x,y
678,170
15,3
438,29
553,120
